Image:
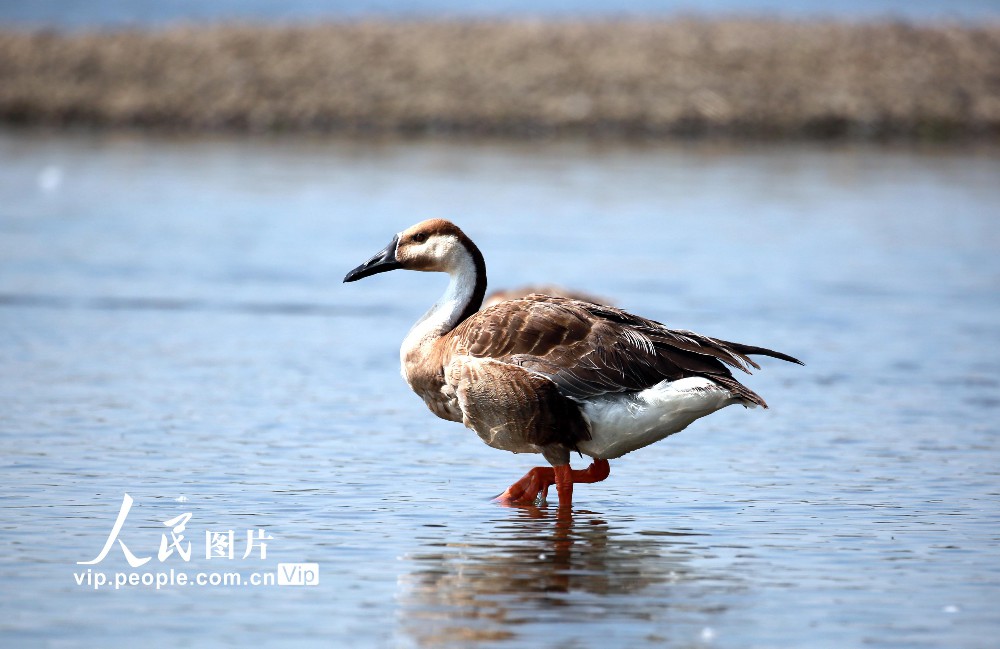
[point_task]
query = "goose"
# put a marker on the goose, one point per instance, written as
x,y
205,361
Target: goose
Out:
x,y
553,375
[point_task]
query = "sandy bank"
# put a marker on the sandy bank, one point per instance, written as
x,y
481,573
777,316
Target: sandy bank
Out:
x,y
685,77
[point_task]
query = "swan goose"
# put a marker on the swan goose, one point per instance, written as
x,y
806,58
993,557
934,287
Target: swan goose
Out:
x,y
551,375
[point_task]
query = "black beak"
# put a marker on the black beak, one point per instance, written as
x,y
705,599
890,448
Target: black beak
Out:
x,y
383,260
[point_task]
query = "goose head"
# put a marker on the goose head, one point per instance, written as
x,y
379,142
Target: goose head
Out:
x,y
435,245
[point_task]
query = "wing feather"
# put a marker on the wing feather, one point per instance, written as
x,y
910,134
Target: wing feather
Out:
x,y
589,350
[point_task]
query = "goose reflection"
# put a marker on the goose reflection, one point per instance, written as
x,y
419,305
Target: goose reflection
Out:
x,y
543,567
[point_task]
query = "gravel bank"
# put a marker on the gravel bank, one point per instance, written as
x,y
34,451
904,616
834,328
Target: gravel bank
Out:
x,y
683,77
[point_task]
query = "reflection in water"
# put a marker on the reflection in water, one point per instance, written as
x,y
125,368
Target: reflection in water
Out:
x,y
542,566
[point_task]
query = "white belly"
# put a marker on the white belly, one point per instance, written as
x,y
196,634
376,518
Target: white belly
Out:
x,y
622,423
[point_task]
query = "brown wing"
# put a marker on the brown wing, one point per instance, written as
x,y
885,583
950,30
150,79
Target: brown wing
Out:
x,y
509,406
588,349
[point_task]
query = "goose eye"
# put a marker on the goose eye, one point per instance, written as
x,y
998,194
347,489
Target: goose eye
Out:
x,y
420,237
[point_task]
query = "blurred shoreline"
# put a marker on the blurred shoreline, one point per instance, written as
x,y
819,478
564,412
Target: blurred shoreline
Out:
x,y
761,79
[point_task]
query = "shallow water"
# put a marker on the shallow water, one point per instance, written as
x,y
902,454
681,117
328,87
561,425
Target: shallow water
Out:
x,y
119,13
174,327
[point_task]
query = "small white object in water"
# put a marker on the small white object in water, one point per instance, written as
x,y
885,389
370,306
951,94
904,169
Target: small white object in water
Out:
x,y
50,178
707,634
182,499
951,608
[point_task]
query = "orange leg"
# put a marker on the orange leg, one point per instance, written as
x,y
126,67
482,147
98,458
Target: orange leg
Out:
x,y
537,482
527,489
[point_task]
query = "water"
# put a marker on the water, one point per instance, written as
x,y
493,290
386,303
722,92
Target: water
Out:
x,y
173,326
118,13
